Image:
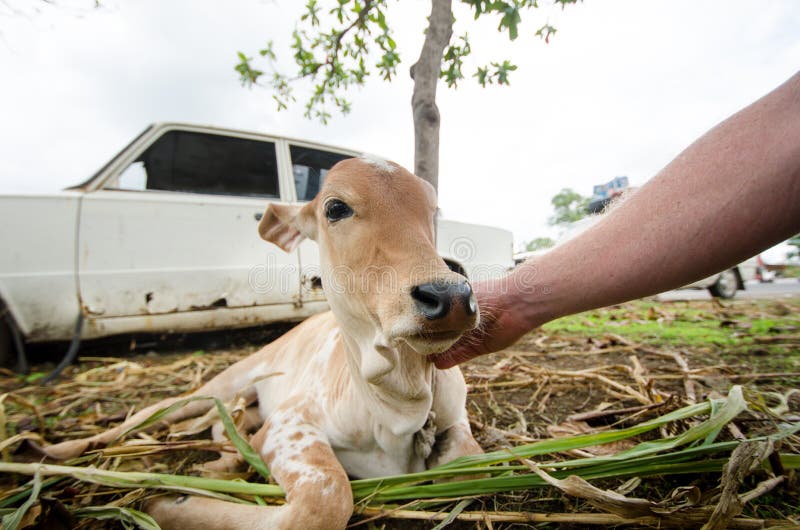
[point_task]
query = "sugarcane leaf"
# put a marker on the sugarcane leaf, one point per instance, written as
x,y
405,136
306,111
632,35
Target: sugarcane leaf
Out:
x,y
244,448
118,513
248,453
12,521
161,414
138,479
453,514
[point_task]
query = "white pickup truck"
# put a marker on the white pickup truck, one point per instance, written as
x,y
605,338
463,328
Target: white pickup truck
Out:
x,y
164,238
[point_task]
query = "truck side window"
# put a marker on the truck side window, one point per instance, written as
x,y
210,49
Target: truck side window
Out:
x,y
133,178
207,163
309,167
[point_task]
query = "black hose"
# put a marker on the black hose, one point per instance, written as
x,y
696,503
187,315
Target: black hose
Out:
x,y
22,366
72,352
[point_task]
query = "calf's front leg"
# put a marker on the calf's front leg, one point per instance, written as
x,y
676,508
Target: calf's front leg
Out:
x,y
452,443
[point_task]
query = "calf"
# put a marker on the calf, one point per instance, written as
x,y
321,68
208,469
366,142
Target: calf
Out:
x,y
352,391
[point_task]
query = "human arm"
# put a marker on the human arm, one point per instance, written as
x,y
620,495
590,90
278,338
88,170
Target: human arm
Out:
x,y
732,193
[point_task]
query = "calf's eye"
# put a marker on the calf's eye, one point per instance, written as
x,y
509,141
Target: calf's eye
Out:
x,y
336,210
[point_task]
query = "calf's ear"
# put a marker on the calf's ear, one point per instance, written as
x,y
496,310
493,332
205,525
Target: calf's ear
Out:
x,y
287,225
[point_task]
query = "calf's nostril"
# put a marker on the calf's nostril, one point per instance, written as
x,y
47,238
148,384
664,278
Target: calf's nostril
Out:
x,y
462,292
470,304
435,299
432,300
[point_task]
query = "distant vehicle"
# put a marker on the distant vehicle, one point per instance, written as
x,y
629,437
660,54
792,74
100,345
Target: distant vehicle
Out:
x,y
164,239
603,194
728,282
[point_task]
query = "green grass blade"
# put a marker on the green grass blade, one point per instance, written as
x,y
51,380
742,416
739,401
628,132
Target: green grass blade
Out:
x,y
13,499
657,465
689,461
726,411
117,513
708,430
560,445
453,514
250,456
248,453
530,480
790,461
677,455
13,520
159,415
136,479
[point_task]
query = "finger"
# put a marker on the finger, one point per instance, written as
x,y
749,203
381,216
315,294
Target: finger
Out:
x,y
443,361
453,357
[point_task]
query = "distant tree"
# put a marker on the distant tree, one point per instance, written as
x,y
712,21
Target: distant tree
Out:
x,y
332,47
539,243
569,206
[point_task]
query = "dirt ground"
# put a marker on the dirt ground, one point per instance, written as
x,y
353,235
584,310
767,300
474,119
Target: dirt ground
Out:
x,y
611,367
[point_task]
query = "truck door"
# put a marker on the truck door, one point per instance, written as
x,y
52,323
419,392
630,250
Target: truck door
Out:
x,y
309,167
177,230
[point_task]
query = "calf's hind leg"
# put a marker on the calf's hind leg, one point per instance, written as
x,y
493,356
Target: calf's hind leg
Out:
x,y
318,494
232,462
224,386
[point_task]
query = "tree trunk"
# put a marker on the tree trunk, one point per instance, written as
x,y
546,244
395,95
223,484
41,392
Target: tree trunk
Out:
x,y
425,74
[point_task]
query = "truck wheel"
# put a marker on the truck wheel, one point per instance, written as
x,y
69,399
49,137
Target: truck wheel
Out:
x,y
726,285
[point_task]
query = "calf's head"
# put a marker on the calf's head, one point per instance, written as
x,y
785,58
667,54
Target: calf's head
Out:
x,y
385,282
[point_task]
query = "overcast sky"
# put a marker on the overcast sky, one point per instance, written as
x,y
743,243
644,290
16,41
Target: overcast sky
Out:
x,y
621,89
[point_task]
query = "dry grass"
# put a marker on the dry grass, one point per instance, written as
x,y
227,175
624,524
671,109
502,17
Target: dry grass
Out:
x,y
612,368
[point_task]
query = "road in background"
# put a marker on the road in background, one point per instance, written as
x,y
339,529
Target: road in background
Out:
x,y
780,288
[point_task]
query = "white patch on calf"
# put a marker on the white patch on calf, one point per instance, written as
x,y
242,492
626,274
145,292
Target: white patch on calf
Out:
x,y
324,353
287,439
249,378
378,162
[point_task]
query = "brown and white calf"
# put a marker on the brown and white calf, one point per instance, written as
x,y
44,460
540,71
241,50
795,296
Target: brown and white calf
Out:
x,y
351,391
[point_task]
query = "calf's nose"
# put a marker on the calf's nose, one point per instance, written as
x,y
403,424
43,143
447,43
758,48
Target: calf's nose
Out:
x,y
436,299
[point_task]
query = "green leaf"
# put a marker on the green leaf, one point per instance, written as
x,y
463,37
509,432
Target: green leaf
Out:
x,y
510,20
118,513
244,448
34,376
13,520
191,485
502,70
13,499
268,52
483,76
545,32
453,514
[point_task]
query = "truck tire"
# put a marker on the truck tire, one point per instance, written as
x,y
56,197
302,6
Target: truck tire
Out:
x,y
726,285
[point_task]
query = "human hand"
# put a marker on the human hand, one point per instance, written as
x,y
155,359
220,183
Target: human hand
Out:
x,y
503,321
